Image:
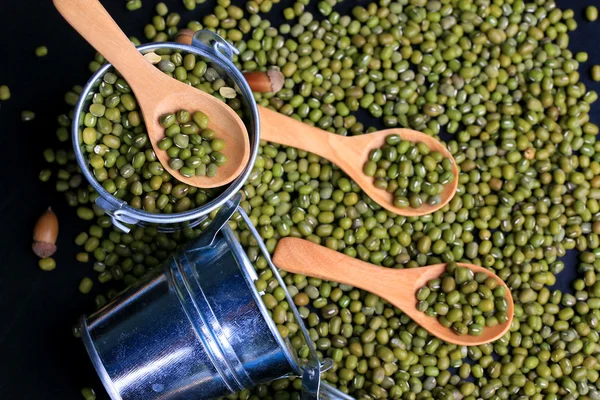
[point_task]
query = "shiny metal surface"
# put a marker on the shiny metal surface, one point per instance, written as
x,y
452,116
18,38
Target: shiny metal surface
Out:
x,y
197,328
218,54
312,368
311,379
328,392
148,347
223,215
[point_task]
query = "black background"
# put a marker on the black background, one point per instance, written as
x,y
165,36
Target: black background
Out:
x,y
39,357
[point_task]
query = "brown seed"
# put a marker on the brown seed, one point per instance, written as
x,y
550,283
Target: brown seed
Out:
x,y
265,82
262,82
45,233
185,36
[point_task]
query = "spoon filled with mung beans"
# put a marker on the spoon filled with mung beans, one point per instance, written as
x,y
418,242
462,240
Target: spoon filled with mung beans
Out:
x,y
164,102
460,303
405,171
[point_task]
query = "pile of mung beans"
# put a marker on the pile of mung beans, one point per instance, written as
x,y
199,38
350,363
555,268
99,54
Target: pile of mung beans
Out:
x,y
412,172
464,301
118,148
193,148
498,81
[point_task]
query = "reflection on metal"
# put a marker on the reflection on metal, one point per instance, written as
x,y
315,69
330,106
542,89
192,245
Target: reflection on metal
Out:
x,y
197,329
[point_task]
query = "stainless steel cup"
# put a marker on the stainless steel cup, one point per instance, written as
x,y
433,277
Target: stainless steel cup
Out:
x,y
218,53
196,329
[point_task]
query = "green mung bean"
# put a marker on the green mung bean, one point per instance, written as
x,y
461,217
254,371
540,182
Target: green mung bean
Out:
x,y
47,264
45,175
161,9
27,116
4,92
85,286
189,4
591,13
595,72
133,5
88,393
41,51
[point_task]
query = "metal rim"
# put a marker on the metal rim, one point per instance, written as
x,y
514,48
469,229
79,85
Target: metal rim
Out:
x,y
122,210
312,369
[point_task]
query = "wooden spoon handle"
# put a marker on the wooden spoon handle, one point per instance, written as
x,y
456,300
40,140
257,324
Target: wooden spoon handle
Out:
x,y
278,128
307,258
95,24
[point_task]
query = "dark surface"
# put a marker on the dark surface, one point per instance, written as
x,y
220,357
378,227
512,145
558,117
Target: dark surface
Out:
x,y
40,359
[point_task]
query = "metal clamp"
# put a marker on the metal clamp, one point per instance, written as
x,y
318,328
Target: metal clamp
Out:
x,y
215,44
123,219
312,369
223,216
117,213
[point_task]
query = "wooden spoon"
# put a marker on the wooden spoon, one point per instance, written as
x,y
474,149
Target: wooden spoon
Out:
x,y
350,153
397,286
157,93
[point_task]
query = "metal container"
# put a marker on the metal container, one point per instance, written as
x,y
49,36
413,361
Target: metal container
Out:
x,y
218,54
197,328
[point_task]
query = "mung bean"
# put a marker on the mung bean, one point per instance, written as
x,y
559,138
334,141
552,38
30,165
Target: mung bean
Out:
x,y
4,92
47,264
591,13
41,51
27,116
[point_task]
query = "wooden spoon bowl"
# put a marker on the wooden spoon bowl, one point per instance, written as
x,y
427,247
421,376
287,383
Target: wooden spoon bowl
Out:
x,y
397,286
223,120
350,153
158,94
